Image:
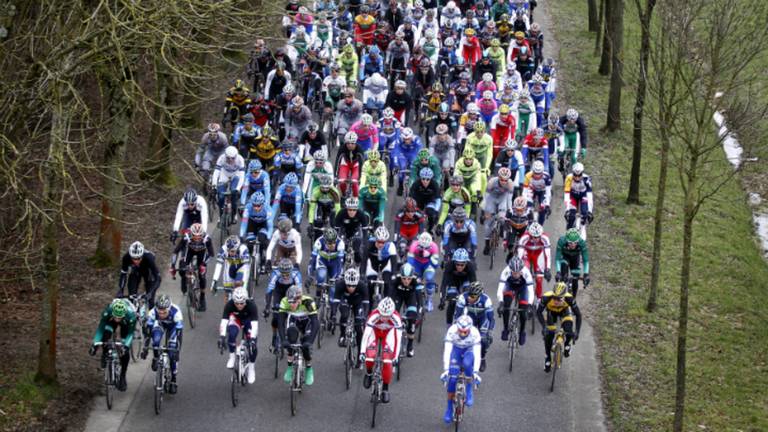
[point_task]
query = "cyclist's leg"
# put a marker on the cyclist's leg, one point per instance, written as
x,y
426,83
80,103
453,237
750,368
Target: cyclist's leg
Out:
x,y
321,271
549,334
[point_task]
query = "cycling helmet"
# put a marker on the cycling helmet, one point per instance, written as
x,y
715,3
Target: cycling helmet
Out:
x,y
523,94
537,78
352,203
407,270
441,129
196,230
285,266
494,42
312,127
578,168
294,293
248,118
297,101
232,243
538,133
511,144
374,50
572,114
572,235
258,198
410,204
352,276
465,76
214,128
239,84
459,214
389,113
386,307
136,250
457,180
560,290
472,108
350,137
488,77
374,182
291,179
284,225
535,230
505,173
373,154
319,157
488,95
400,84
288,89
254,165
425,239
503,109
426,174
407,133
535,27
381,234
475,289
448,42
424,63
538,167
469,31
443,108
399,34
163,301
119,308
335,67
464,325
469,153
516,264
460,255
231,152
479,126
330,235
366,119
364,9
190,196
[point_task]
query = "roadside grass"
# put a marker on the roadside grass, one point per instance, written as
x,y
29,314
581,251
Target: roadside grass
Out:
x,y
23,400
728,325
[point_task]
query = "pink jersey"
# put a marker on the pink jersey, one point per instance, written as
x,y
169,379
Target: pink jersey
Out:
x,y
364,133
423,255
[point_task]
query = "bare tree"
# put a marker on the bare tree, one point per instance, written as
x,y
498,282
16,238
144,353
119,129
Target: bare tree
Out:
x,y
605,54
616,26
592,15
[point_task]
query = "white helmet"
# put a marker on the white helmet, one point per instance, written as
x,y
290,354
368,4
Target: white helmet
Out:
x,y
407,133
386,307
381,234
472,108
464,323
535,230
578,168
425,239
366,119
572,114
231,152
136,250
487,76
240,295
538,167
487,94
352,276
350,137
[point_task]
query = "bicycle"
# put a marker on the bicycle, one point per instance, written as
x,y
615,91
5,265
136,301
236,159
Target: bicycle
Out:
x,y
112,369
557,353
277,351
376,292
422,315
298,376
497,234
162,377
238,372
377,384
350,357
193,291
226,217
459,400
514,329
254,246
324,311
139,302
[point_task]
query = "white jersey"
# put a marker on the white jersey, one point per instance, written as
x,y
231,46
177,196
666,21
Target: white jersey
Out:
x,y
452,339
505,274
225,171
200,206
293,241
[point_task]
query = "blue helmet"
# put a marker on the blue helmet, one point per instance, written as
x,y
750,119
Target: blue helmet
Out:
x,y
291,179
444,107
460,255
407,270
257,199
426,173
375,50
254,165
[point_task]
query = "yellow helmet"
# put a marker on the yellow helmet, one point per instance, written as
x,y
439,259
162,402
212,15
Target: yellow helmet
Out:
x,y
560,290
504,109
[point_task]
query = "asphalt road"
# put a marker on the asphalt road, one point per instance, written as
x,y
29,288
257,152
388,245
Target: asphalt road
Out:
x,y
519,401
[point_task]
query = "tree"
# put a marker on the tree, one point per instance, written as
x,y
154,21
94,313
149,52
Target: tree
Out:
x,y
592,15
605,55
616,26
633,197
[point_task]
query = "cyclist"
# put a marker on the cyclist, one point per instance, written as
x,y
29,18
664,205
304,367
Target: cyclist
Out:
x,y
284,276
374,201
348,112
192,209
459,233
400,102
488,108
285,243
496,53
195,244
518,218
324,203
512,158
482,144
261,110
381,262
139,264
515,282
424,256
352,223
298,314
316,169
536,147
426,192
244,137
425,160
571,247
502,128
349,63
238,98
409,222
257,180
389,131
559,304
534,249
577,193
538,91
407,291
333,87
459,274
461,353
277,79
287,161
526,115
443,148
510,78
575,133
472,173
538,187
349,161
479,307
228,176
498,196
455,196
267,147
327,260
212,145
118,315
445,117
288,200
470,47
372,64
384,326
367,133
373,167
350,293
233,263
257,225
165,319
240,313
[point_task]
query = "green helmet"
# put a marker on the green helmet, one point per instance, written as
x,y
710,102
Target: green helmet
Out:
x,y
572,235
469,153
119,308
373,154
423,154
374,181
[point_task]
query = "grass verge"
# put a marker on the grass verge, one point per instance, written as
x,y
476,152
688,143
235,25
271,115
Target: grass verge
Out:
x,y
728,327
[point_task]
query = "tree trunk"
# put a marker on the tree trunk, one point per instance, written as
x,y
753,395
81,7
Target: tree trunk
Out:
x,y
613,122
157,163
108,248
642,83
605,56
600,25
592,14
689,213
192,114
657,222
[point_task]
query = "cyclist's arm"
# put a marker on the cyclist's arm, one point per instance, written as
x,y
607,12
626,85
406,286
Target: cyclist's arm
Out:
x,y
584,256
502,284
219,266
244,221
179,215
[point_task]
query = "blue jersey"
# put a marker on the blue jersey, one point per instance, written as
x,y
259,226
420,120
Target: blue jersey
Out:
x,y
262,217
172,323
480,311
253,184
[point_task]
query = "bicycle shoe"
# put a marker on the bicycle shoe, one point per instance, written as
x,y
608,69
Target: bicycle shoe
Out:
x,y
154,364
384,396
172,387
505,335
367,379
342,342
201,307
567,351
547,365
309,376
521,338
482,365
121,384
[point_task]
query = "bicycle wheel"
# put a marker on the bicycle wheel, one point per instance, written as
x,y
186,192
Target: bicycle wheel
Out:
x,y
513,335
192,304
494,240
375,400
277,362
294,389
458,410
256,265
159,387
135,345
556,353
532,317
108,383
349,364
235,381
323,323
